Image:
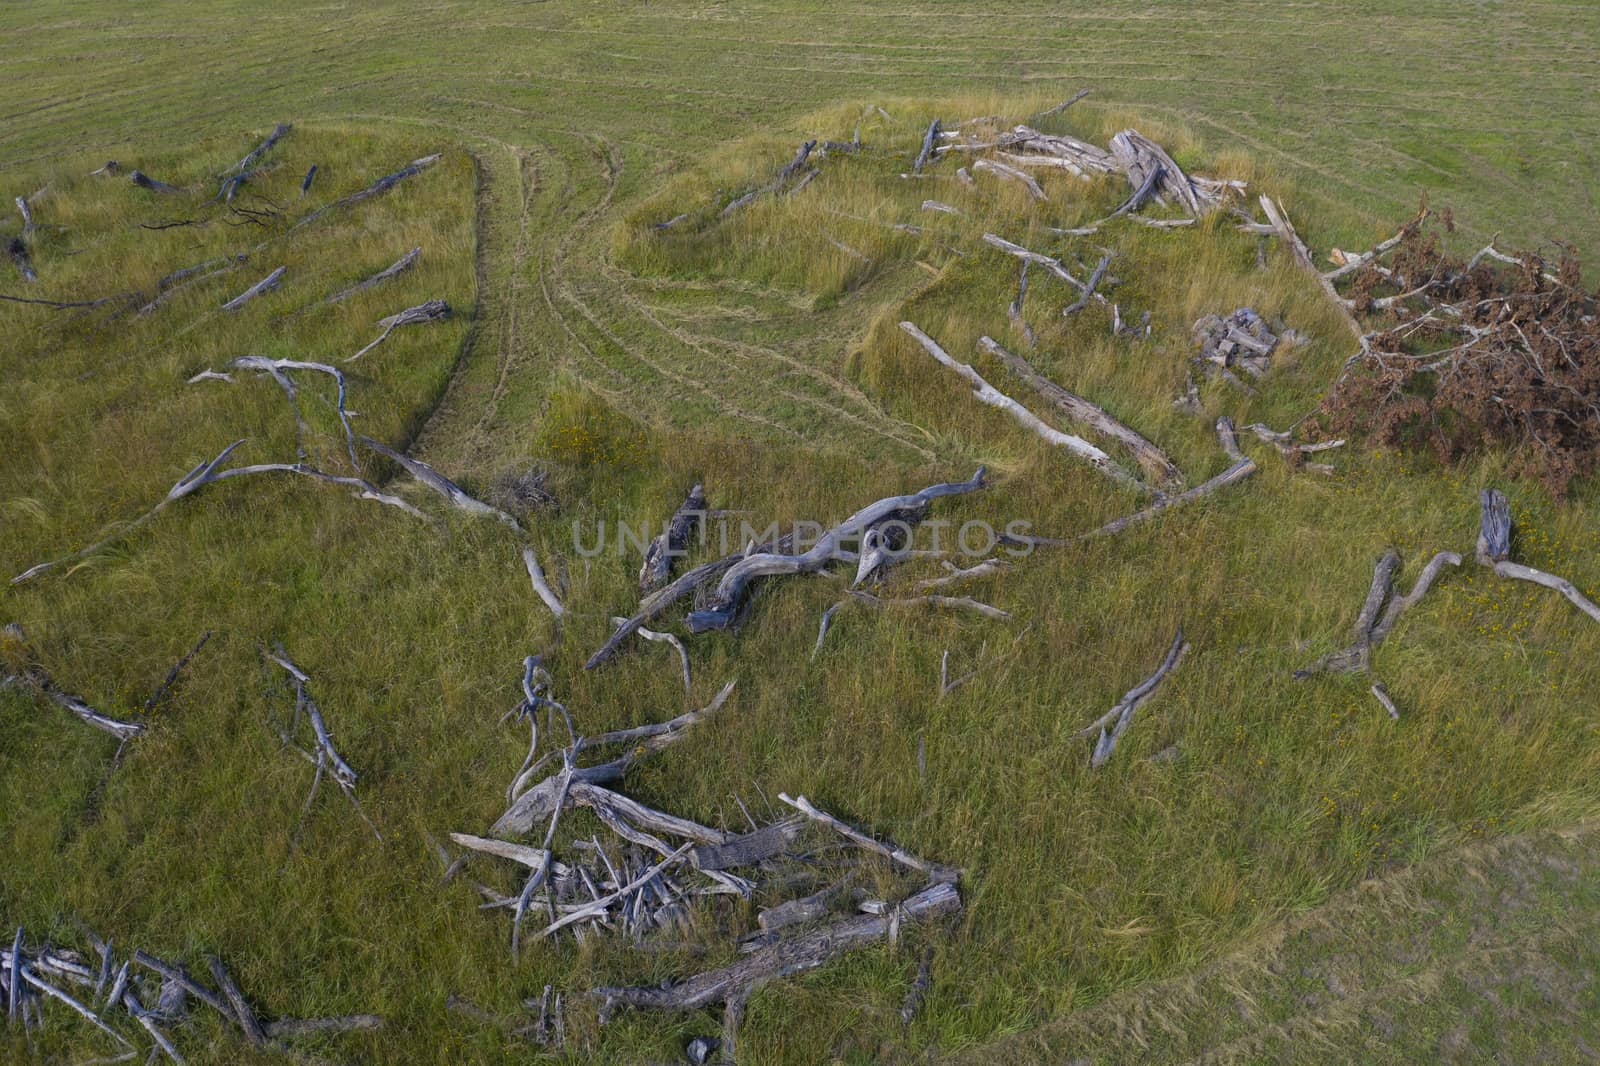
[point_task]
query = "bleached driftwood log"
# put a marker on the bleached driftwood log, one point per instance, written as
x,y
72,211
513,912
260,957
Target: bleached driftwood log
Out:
x,y
266,284
720,613
1005,170
436,481
1119,717
926,152
382,185
988,394
1156,464
1494,551
427,311
1144,161
541,587
393,270
673,541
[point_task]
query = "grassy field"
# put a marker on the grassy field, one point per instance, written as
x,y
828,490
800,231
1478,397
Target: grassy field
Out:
x,y
761,355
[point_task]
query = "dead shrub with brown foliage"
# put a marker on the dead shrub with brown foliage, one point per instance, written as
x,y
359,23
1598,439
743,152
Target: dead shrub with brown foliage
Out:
x,y
1492,351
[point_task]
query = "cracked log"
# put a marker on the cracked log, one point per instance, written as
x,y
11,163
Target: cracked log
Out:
x,y
673,541
1494,551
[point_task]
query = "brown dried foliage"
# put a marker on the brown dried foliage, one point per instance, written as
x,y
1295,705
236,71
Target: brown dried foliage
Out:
x,y
1475,354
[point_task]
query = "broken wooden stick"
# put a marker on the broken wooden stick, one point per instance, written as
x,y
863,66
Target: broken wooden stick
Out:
x,y
1155,462
37,678
1121,715
1056,110
988,394
673,541
1494,551
899,856
961,602
436,481
427,311
783,175
664,638
344,775
144,181
1285,231
1052,265
1088,289
1243,466
926,152
266,284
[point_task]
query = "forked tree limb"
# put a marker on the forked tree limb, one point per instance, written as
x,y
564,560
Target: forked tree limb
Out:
x,y
37,678
1302,255
657,603
1089,288
1243,466
1005,170
777,182
1027,255
1121,715
436,481
1155,462
988,394
794,955
1371,626
1494,551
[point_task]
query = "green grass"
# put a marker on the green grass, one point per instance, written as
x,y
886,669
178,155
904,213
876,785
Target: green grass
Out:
x,y
758,356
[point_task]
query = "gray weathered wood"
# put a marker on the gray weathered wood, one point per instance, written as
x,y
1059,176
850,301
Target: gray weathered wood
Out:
x,y
266,284
673,541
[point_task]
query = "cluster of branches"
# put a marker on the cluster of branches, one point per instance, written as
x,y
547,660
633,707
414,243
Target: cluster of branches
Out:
x,y
155,996
1489,351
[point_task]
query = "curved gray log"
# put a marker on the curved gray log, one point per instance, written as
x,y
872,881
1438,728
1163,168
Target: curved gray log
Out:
x,y
725,602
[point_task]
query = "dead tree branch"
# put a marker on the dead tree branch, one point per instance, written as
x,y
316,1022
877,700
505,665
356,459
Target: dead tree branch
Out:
x,y
1494,551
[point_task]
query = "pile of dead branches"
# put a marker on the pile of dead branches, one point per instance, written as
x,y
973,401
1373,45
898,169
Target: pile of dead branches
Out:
x,y
155,996
651,876
1490,351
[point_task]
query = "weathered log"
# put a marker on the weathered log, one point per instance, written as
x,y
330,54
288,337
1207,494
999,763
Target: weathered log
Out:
x,y
243,165
919,988
1007,171
928,139
747,849
305,184
663,638
935,871
1371,627
1494,551
144,181
393,270
673,541
53,992
1381,694
1156,464
796,955
242,1012
1014,309
532,858
962,602
436,481
1141,157
783,175
725,602
266,284
988,394
288,1028
427,311
276,368
982,569
382,185
179,976
1121,715
1346,263
27,215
